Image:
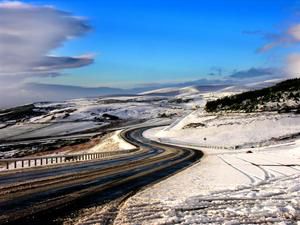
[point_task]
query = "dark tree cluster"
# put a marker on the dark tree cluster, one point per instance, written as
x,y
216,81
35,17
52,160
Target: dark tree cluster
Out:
x,y
19,113
257,100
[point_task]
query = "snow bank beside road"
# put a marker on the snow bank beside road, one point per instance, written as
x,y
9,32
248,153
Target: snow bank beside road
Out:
x,y
110,142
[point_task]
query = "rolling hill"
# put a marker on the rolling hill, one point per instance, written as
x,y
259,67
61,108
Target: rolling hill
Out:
x,y
282,97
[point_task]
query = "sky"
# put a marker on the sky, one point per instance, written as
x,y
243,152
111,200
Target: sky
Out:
x,y
119,43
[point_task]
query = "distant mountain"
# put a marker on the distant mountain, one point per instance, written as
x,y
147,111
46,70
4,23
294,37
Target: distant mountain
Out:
x,y
185,90
283,97
73,91
36,92
168,91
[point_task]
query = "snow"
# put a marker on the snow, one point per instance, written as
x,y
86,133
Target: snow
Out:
x,y
78,115
110,142
189,91
124,107
18,129
60,129
224,188
161,91
250,185
257,183
230,130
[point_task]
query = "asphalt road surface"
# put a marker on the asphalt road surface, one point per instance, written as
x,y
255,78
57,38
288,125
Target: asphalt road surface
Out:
x,y
42,195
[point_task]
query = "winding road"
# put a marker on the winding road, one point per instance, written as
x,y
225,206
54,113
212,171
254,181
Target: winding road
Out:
x,y
43,195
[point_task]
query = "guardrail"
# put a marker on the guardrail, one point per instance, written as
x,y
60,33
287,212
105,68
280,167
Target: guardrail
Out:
x,y
168,141
19,163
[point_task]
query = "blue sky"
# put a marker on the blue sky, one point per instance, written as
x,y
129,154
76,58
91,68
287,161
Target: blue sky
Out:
x,y
147,41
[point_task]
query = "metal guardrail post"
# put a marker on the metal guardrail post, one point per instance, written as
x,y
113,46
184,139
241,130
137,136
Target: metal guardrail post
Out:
x,y
40,161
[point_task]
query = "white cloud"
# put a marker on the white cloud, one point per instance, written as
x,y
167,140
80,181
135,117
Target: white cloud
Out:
x,y
28,33
294,32
293,66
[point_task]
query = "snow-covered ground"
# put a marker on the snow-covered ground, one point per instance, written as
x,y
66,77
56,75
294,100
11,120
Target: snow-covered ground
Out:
x,y
225,188
250,173
61,118
110,142
230,130
259,185
77,115
132,107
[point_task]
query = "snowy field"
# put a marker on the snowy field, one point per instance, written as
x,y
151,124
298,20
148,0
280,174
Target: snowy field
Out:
x,y
250,173
259,185
73,116
256,185
77,115
231,130
262,187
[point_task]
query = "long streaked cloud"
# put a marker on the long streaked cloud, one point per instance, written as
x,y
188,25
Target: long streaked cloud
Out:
x,y
287,37
28,34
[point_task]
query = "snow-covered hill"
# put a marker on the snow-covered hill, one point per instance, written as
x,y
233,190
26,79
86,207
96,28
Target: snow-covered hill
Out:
x,y
173,91
231,130
184,90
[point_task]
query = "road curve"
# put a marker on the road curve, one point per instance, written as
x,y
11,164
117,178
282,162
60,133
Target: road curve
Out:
x,y
43,194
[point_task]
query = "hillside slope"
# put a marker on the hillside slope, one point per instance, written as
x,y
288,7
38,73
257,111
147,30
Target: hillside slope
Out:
x,y
283,97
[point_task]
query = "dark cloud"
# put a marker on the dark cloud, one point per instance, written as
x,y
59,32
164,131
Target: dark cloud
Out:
x,y
253,72
51,63
216,71
28,33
